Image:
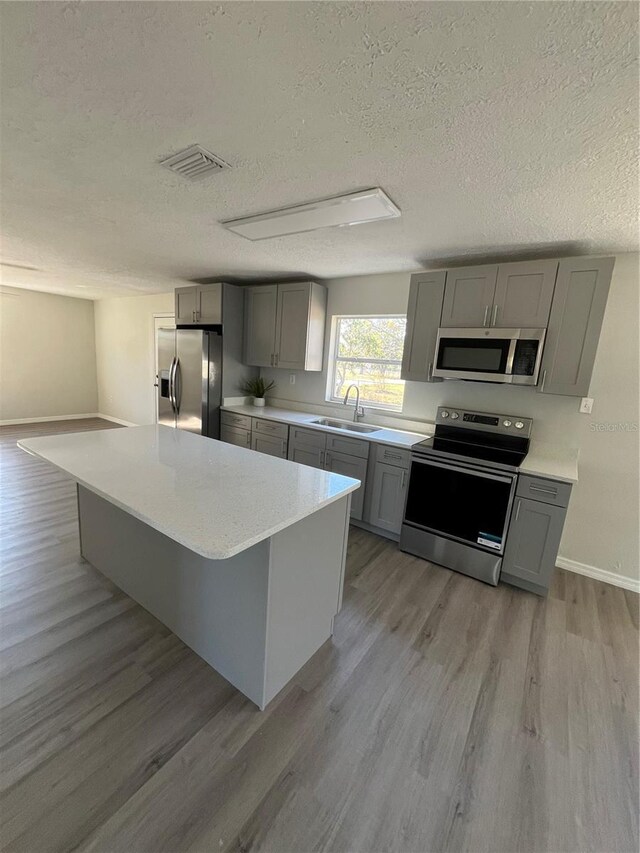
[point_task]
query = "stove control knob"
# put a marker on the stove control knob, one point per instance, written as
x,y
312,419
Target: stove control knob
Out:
x,y
518,424
454,416
444,413
506,423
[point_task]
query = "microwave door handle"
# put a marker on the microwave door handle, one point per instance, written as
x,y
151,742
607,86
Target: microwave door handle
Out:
x,y
510,356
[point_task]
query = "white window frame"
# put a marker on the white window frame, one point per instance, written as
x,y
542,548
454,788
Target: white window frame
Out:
x,y
333,359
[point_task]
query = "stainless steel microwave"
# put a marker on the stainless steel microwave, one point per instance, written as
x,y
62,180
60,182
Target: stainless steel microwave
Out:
x,y
490,355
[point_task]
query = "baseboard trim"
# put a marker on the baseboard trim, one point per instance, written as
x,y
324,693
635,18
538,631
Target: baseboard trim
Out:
x,y
12,421
599,574
16,421
116,420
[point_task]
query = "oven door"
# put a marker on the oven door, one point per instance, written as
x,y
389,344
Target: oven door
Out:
x,y
466,504
489,355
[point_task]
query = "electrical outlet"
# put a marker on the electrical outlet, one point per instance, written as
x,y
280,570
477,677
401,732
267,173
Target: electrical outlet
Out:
x,y
292,379
586,405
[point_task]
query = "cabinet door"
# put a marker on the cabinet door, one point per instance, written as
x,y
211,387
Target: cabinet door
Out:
x,y
533,541
209,303
577,313
271,445
468,297
186,299
423,318
292,320
260,325
349,466
523,295
307,447
387,496
235,435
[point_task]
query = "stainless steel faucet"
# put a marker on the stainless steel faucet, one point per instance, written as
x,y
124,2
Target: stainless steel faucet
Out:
x,y
358,412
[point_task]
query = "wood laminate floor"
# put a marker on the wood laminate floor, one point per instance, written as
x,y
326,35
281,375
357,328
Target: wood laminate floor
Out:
x,y
444,715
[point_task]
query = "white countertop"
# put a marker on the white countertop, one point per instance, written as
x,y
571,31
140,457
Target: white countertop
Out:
x,y
211,497
551,460
543,459
381,435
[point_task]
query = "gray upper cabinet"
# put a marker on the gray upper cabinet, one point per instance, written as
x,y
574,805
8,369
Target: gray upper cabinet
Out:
x,y
468,297
532,544
284,325
260,310
523,296
423,318
574,328
200,304
185,305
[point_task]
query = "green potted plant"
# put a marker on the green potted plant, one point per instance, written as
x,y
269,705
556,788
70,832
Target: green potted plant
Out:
x,y
257,388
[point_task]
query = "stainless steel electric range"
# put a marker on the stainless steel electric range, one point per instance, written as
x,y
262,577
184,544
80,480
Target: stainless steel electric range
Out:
x,y
461,489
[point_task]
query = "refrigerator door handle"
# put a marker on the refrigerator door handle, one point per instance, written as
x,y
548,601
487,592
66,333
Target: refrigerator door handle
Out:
x,y
177,385
172,395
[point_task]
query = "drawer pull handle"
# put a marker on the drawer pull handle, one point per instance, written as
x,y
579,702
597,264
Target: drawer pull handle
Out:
x,y
542,489
388,455
518,510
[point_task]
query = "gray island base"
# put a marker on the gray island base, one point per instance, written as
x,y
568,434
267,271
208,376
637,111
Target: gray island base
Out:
x,y
256,617
240,554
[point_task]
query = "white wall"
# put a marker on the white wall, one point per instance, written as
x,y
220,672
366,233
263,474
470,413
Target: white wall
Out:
x,y
125,355
47,355
602,523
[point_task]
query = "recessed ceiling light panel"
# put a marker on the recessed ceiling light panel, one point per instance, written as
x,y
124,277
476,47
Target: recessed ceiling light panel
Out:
x,y
352,209
194,163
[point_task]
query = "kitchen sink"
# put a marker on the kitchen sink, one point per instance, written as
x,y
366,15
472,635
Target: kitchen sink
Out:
x,y
346,426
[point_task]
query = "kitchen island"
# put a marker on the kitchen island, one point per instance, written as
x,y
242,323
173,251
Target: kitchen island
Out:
x,y
240,554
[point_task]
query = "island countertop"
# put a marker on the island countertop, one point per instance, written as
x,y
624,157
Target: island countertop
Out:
x,y
214,498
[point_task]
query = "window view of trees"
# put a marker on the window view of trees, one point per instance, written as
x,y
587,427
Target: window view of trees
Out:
x,y
368,353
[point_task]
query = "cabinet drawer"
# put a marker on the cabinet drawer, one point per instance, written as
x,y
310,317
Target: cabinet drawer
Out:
x,y
547,491
270,428
235,435
393,455
231,419
308,437
352,446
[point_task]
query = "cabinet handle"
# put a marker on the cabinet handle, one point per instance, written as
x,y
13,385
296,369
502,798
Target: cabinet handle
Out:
x,y
193,316
322,458
248,439
486,314
388,455
277,359
544,491
271,359
404,479
430,371
495,315
544,379
518,510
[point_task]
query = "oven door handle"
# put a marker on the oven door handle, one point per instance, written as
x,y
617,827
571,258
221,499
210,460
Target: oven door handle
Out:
x,y
501,478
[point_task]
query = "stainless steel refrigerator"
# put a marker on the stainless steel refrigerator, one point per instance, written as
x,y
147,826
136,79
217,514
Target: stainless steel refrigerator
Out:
x,y
189,380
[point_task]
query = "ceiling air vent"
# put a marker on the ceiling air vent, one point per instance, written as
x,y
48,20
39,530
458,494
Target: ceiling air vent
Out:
x,y
195,162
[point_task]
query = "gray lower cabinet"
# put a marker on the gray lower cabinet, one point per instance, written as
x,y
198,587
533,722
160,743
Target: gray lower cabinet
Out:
x,y
423,318
387,496
335,453
577,313
307,447
532,544
349,466
235,435
269,444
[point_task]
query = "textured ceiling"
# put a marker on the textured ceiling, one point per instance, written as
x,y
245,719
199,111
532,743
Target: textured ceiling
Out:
x,y
496,127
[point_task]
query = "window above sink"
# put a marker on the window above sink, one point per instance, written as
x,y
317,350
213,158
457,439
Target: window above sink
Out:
x,y
366,350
